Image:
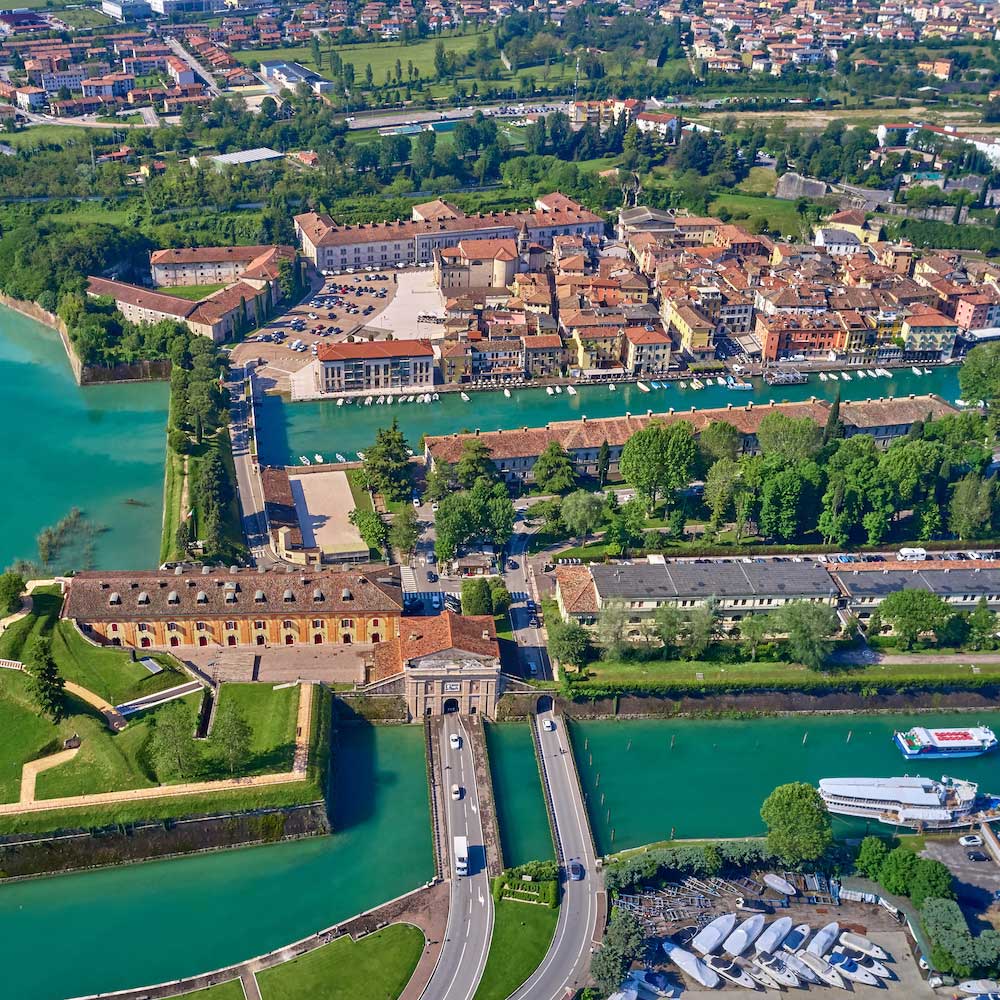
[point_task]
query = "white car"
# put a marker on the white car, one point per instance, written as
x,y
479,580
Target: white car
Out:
x,y
549,726
972,840
456,792
416,502
456,741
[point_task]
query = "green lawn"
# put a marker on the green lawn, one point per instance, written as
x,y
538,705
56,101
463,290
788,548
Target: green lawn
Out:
x,y
173,493
38,135
780,215
25,732
377,967
233,990
760,182
92,212
362,498
84,17
521,936
272,716
192,292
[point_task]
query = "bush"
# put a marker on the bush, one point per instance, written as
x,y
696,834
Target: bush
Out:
x,y
476,597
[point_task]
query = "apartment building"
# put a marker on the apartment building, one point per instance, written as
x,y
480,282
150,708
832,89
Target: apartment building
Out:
x,y
373,366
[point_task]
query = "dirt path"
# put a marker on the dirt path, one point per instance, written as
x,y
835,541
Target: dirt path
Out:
x,y
33,768
26,603
114,720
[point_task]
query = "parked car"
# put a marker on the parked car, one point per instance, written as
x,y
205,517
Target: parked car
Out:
x,y
971,840
976,856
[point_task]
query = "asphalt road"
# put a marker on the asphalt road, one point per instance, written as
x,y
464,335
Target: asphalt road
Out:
x,y
248,485
470,916
567,963
182,53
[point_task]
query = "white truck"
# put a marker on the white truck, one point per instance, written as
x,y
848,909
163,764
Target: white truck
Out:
x,y
461,856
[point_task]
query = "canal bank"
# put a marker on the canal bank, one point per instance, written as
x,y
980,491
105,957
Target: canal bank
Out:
x,y
100,449
650,780
159,921
286,430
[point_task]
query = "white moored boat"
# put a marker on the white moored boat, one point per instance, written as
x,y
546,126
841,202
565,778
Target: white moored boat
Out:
x,y
549,390
856,942
506,392
975,986
712,935
797,937
824,940
770,940
826,972
778,969
691,965
905,801
465,398
730,970
642,386
866,962
850,969
744,935
571,390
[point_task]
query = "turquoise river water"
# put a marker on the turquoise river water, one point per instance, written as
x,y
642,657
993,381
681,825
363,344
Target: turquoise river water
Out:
x,y
74,935
287,430
100,449
648,781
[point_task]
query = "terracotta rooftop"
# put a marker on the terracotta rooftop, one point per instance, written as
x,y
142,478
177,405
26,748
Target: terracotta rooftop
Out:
x,y
420,637
143,298
373,349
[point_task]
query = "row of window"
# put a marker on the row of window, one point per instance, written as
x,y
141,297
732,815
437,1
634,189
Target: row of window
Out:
x,y
231,626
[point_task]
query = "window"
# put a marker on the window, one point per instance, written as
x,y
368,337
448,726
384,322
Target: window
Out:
x,y
114,628
230,626
317,623
258,624
286,624
142,627
347,623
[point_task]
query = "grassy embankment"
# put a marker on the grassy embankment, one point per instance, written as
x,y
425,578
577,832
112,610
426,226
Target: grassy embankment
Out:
x,y
522,933
233,990
377,967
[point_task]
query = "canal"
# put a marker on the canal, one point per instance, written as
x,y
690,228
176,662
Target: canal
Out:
x,y
517,788
287,430
647,781
100,449
142,924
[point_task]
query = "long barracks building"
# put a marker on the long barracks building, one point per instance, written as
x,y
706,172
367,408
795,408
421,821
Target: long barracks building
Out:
x,y
434,226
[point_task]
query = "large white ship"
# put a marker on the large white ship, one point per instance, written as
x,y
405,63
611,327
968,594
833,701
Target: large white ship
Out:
x,y
916,802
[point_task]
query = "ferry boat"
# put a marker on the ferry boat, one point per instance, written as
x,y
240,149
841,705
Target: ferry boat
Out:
x,y
973,741
907,801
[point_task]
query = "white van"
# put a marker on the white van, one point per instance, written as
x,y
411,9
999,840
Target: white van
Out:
x,y
912,555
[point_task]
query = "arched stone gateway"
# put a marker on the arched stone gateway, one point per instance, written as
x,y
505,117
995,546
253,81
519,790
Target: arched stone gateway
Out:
x,y
544,704
450,705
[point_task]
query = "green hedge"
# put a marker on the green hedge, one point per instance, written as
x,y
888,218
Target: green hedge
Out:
x,y
543,893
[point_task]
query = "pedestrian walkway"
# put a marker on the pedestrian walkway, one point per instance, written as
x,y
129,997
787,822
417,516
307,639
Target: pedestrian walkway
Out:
x,y
33,768
26,603
114,718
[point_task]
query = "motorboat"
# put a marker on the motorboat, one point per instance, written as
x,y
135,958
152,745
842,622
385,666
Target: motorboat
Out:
x,y
558,390
465,397
777,968
860,373
506,393
744,935
927,371
833,376
388,400
762,976
642,387
340,458
846,376
318,458
682,385
656,385
435,397
713,934
795,964
859,943
796,938
340,402
368,400
570,390
866,962
824,940
776,932
826,972
979,986
779,884
871,373
696,383
730,971
380,401
645,982
691,965
916,370
719,380
304,460
822,376
850,969
612,387
361,455
549,391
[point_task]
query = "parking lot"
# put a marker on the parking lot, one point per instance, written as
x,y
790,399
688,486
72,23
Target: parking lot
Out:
x,y
976,882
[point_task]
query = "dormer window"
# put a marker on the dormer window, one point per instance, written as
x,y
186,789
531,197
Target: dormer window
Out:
x,y
259,597
202,597
115,598
143,597
346,595
231,597
318,595
288,597
172,598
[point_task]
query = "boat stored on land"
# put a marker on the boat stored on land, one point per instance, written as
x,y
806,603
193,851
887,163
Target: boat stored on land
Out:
x,y
824,939
797,937
773,935
857,942
778,969
826,972
972,741
691,965
795,964
712,935
979,986
905,801
850,969
730,970
866,962
744,935
779,884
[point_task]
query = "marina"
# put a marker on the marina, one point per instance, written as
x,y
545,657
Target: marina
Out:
x,y
286,430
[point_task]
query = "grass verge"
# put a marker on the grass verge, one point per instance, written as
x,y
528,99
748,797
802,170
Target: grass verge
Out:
x,y
233,990
522,933
377,967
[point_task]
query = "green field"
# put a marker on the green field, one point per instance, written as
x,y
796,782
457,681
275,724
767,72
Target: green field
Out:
x,y
84,17
41,135
272,715
192,292
377,967
233,990
381,55
780,215
521,936
760,181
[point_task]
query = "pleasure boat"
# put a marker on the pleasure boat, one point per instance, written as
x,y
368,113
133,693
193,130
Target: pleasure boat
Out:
x,y
612,387
833,376
713,934
928,371
340,402
862,945
779,884
740,386
361,455
691,965
368,400
823,969
860,373
388,400
762,976
777,969
970,741
570,390
304,460
655,385
380,401
796,938
822,376
906,801
642,387
770,940
916,370
318,458
435,397
824,939
719,380
682,385
979,986
730,971
744,935
340,458
549,391
851,970
795,965
871,373
558,390
846,377
464,396
506,393
865,962
696,383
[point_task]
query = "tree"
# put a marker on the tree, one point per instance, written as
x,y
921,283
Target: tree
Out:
x,y
809,628
582,512
46,684
972,504
798,824
500,599
700,629
603,462
669,624
440,480
172,745
370,526
553,469
387,463
979,376
911,612
896,873
871,856
788,438
720,439
476,598
474,463
620,948
834,428
405,530
11,587
931,880
611,621
232,734
983,626
754,629
659,459
720,488
569,643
